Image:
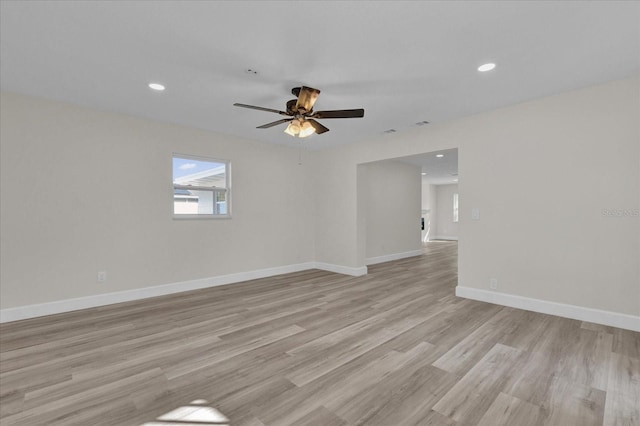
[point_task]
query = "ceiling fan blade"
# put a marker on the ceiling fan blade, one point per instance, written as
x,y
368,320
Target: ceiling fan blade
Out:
x,y
339,113
261,109
275,123
307,98
320,129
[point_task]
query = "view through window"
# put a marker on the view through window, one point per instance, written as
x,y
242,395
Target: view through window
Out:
x,y
200,187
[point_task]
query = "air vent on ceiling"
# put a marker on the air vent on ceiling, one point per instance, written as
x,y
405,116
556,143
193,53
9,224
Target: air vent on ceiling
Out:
x,y
421,123
390,131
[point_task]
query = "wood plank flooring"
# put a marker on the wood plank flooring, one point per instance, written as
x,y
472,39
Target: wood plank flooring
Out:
x,y
395,347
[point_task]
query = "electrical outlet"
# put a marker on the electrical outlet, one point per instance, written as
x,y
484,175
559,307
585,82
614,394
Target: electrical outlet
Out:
x,y
493,284
102,276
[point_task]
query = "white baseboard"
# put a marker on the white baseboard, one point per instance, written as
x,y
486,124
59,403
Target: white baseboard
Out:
x,y
443,238
339,269
390,257
614,319
68,305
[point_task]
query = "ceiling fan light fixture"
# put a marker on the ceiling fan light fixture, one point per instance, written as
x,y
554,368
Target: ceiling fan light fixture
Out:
x,y
299,128
306,130
292,129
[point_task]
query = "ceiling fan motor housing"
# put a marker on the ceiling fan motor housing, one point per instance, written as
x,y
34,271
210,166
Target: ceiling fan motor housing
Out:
x,y
291,106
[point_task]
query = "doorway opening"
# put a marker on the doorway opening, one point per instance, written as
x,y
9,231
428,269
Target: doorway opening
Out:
x,y
407,203
440,195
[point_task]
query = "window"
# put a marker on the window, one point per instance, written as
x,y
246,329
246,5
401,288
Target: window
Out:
x,y
200,187
455,206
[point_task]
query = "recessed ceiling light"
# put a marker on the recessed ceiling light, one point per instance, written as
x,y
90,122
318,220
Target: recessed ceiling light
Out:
x,y
486,67
439,155
156,86
424,174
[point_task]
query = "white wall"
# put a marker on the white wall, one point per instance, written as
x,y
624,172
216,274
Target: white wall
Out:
x,y
430,203
84,190
446,228
392,207
541,174
337,225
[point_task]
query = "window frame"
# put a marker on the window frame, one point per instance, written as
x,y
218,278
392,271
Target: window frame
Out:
x,y
226,190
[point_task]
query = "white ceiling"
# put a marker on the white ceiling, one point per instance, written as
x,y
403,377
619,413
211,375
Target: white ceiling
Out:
x,y
439,170
403,62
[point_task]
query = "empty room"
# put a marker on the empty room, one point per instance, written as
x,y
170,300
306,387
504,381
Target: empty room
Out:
x,y
256,213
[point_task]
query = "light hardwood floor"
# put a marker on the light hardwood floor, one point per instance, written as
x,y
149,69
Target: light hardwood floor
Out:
x,y
395,347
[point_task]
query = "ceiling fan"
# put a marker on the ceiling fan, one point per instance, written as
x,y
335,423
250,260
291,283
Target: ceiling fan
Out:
x,y
302,121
